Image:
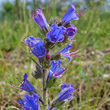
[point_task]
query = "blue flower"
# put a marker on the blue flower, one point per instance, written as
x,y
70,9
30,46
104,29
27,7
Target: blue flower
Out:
x,y
70,31
56,33
30,102
66,92
70,15
55,69
65,52
31,41
40,19
39,50
26,85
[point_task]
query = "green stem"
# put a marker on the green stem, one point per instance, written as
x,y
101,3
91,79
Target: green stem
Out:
x,y
45,97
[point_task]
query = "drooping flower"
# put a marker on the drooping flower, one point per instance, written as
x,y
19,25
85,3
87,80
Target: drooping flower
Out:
x,y
31,41
66,53
26,85
39,50
56,33
40,19
55,69
70,31
70,15
66,92
30,102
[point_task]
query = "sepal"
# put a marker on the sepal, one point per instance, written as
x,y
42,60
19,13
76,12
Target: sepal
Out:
x,y
50,81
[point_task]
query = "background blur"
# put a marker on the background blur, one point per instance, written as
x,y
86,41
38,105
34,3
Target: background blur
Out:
x,y
90,71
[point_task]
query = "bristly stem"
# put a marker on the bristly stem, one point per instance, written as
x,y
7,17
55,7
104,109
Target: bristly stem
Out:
x,y
45,97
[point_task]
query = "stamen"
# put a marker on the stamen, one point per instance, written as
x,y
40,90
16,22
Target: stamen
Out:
x,y
22,83
76,92
25,43
82,12
33,14
74,56
23,39
72,40
17,103
16,86
22,88
34,52
60,73
43,51
75,50
71,52
19,81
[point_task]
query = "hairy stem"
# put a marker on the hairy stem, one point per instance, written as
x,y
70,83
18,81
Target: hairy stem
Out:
x,y
45,97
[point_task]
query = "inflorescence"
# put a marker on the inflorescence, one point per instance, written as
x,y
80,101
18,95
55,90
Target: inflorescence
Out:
x,y
58,32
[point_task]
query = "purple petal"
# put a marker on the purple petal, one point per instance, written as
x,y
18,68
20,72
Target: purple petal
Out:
x,y
70,15
40,19
25,76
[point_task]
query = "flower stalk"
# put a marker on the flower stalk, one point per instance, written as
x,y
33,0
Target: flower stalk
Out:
x,y
45,96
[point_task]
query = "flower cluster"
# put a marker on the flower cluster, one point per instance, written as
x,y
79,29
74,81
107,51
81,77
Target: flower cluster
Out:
x,y
49,66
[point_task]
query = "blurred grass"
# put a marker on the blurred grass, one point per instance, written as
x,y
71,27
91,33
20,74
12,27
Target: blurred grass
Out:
x,y
86,72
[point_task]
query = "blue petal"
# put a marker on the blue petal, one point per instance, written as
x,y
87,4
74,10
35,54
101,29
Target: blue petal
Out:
x,y
66,49
65,95
56,33
40,19
39,50
26,85
70,15
31,102
55,69
21,102
25,76
31,41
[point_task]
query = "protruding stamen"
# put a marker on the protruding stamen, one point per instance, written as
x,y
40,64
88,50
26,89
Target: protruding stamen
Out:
x,y
60,73
16,86
43,51
25,43
23,39
82,12
74,56
17,103
72,40
72,53
19,81
33,13
76,92
34,52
